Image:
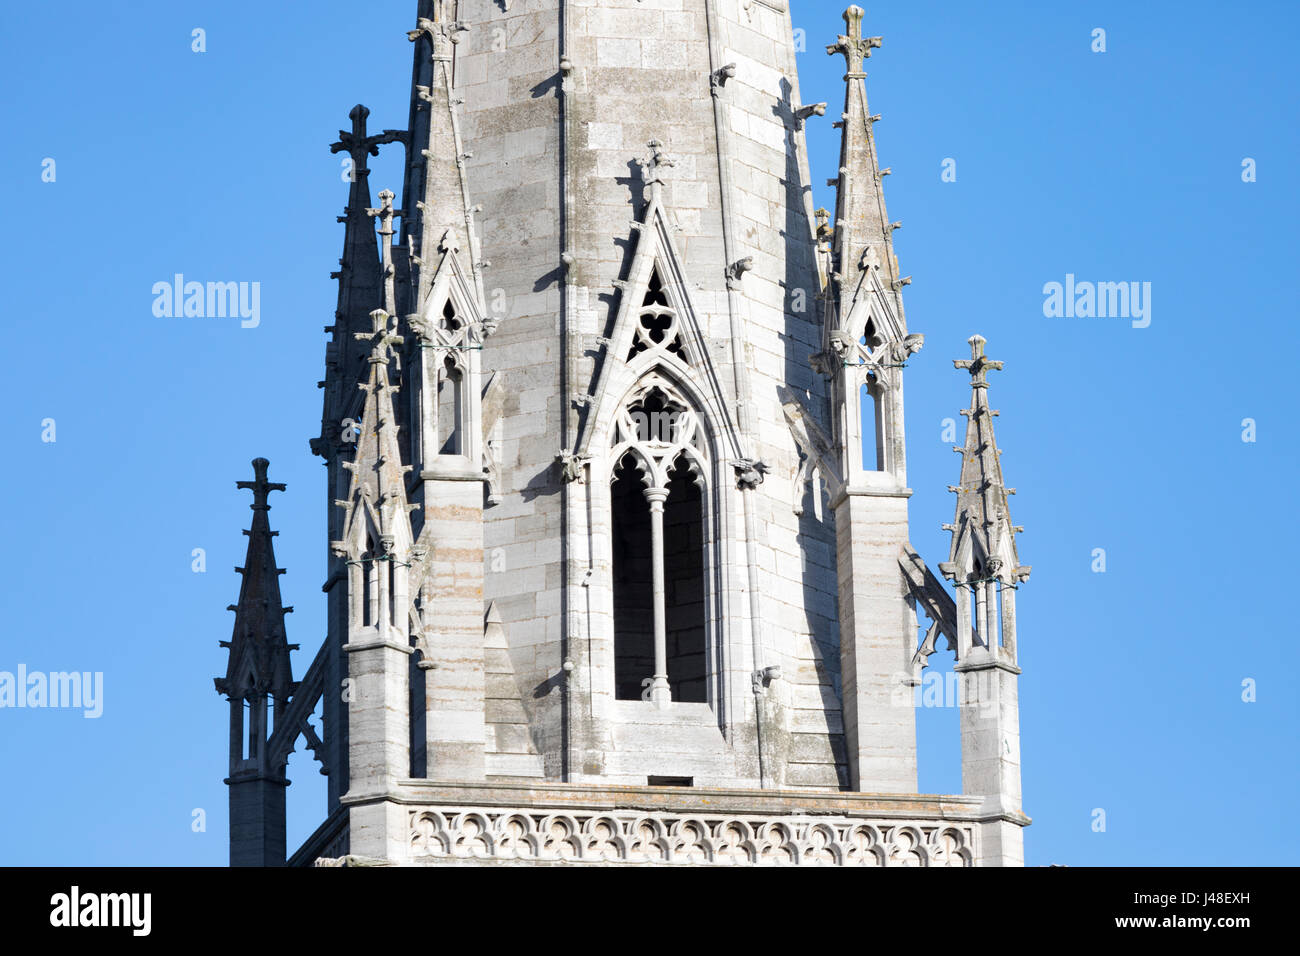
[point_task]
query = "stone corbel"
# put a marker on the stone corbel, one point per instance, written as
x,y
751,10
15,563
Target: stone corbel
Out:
x,y
573,468
749,473
802,114
899,352
442,36
737,269
827,364
718,79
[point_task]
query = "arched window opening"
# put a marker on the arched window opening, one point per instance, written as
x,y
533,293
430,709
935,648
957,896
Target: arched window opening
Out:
x,y
873,443
370,587
634,657
253,728
388,568
417,726
986,616
684,581
451,397
870,398
659,539
451,385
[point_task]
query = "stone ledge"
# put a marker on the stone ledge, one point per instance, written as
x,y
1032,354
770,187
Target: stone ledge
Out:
x,y
712,801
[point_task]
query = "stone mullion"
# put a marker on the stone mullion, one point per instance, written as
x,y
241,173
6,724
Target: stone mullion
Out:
x,y
660,693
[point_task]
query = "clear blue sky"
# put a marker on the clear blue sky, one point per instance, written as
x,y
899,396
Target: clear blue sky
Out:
x,y
1122,166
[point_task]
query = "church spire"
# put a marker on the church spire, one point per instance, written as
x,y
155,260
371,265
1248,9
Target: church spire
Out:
x,y
863,232
866,342
376,550
447,315
983,555
258,670
443,201
377,526
986,571
259,652
362,277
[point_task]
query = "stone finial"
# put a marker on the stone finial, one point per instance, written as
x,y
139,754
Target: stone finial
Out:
x,y
825,232
652,167
259,486
381,339
385,214
360,146
855,47
977,364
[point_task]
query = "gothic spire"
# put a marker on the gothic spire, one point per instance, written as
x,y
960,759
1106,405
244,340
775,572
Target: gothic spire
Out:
x,y
361,275
441,195
376,525
983,537
259,651
863,232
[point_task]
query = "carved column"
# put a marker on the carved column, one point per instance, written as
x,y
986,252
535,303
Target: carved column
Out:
x,y
660,693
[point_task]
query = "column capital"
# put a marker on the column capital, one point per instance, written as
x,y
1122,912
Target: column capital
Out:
x,y
656,496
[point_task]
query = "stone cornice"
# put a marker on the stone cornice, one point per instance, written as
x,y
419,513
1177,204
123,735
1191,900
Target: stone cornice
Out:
x,y
706,800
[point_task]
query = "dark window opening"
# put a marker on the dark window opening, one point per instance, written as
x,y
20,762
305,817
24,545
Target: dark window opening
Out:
x,y
634,655
450,408
873,439
684,585
671,781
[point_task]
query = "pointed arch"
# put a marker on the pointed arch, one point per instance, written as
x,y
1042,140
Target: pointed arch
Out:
x,y
449,332
868,345
662,465
657,326
658,423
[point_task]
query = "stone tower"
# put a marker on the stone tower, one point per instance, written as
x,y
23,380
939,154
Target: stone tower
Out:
x,y
617,494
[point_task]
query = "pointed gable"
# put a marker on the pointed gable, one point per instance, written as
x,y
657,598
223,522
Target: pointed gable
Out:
x,y
452,314
657,326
